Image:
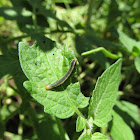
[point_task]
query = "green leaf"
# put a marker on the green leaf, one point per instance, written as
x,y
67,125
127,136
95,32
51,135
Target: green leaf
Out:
x,y
128,42
85,136
99,136
129,112
95,136
119,129
136,50
44,65
80,124
137,63
104,95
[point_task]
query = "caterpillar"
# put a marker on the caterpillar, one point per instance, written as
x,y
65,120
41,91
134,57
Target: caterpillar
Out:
x,y
64,78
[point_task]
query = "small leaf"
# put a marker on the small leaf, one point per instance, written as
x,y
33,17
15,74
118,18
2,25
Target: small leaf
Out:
x,y
85,136
137,63
99,136
95,136
119,129
104,95
80,124
44,65
128,42
136,50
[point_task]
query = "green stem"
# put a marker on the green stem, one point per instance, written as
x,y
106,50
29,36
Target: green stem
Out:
x,y
66,4
90,9
103,130
77,110
34,17
107,53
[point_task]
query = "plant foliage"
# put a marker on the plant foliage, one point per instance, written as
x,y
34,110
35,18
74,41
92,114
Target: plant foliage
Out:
x,y
100,98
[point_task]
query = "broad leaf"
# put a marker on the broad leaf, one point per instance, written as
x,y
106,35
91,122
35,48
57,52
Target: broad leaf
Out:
x,y
119,129
104,95
44,65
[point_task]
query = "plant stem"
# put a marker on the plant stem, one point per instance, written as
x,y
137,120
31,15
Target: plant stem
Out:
x,y
34,17
66,4
90,9
107,53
